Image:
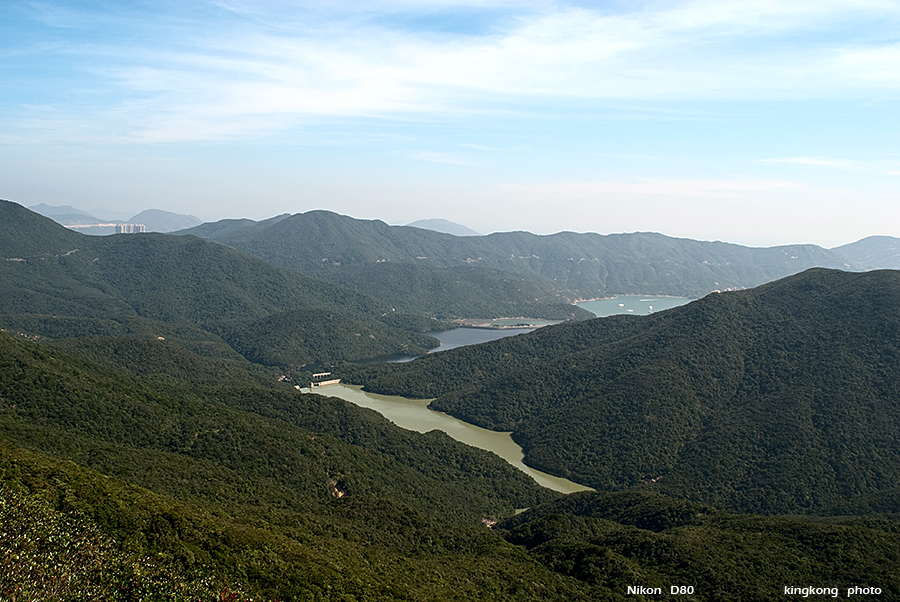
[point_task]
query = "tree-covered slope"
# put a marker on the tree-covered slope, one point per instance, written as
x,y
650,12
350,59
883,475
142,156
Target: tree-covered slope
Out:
x,y
57,283
460,292
779,399
405,266
55,401
71,533
27,235
283,339
325,244
287,494
623,539
117,486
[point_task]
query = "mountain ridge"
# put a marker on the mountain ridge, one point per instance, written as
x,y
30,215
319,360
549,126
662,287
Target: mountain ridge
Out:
x,y
323,243
59,283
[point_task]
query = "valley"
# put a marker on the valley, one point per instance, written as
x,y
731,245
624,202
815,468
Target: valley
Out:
x,y
154,443
414,415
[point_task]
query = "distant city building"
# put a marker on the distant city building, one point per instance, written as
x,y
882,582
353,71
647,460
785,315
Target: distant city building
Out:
x,y
129,228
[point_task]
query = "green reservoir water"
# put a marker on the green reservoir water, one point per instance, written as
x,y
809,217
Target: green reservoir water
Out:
x,y
631,304
413,414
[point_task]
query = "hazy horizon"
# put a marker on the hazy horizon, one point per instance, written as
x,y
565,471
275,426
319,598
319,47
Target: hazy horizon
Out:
x,y
758,124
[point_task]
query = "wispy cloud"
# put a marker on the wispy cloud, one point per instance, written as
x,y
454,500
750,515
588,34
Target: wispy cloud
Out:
x,y
234,69
822,161
657,187
444,158
481,147
883,166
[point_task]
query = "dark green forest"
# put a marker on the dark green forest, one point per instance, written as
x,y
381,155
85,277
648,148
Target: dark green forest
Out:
x,y
58,283
779,399
115,484
153,445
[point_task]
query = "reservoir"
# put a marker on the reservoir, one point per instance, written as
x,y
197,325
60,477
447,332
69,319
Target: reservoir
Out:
x,y
631,304
639,305
464,335
414,415
451,339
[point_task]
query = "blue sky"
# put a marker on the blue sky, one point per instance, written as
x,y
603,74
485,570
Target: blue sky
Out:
x,y
760,123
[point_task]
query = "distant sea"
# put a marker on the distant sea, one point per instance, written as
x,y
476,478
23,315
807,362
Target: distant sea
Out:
x,y
631,304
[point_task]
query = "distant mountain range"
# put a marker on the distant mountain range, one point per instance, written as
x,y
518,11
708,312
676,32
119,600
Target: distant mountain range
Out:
x,y
873,253
343,250
780,399
445,226
154,220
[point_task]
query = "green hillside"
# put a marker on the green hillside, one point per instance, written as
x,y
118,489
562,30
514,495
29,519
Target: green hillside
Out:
x,y
57,283
120,487
144,456
325,245
780,399
250,474
622,539
457,292
282,339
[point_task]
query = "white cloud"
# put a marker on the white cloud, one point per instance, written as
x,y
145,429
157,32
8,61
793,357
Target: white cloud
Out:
x,y
444,158
883,166
657,187
822,161
878,64
258,69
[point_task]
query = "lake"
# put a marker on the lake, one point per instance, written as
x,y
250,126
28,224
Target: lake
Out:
x,y
639,305
414,415
462,336
451,339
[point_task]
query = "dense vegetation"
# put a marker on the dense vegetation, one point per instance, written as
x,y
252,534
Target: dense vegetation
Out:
x,y
336,492
144,457
460,292
780,399
57,283
198,487
622,539
283,339
329,246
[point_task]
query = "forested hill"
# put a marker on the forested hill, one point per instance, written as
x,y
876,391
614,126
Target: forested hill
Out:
x,y
323,244
239,487
606,539
780,399
58,283
162,478
402,265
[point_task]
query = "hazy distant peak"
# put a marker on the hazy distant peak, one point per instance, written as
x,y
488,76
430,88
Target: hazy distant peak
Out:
x,y
873,252
52,211
157,220
445,226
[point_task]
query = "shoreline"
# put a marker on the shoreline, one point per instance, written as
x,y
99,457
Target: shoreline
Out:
x,y
488,324
616,296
